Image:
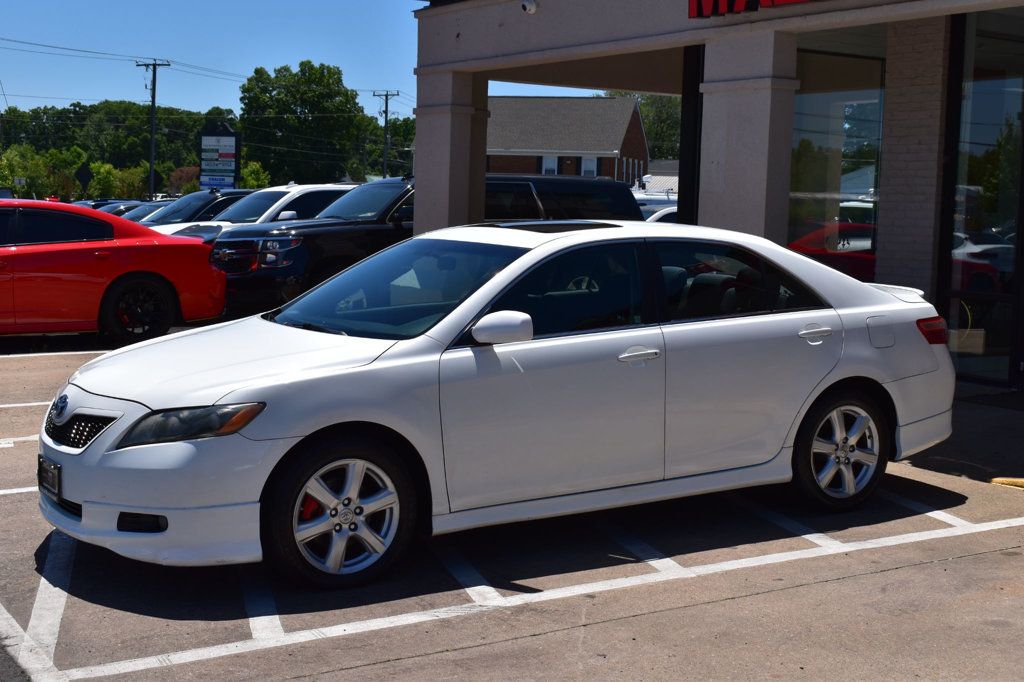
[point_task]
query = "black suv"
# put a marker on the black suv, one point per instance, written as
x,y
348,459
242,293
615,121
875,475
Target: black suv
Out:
x,y
196,206
271,263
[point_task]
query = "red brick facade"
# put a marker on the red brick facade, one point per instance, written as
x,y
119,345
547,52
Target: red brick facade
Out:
x,y
633,152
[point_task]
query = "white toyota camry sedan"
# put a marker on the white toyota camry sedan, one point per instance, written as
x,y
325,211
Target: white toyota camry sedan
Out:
x,y
482,375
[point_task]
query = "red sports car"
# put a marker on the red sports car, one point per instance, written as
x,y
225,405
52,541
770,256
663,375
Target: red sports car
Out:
x,y
66,268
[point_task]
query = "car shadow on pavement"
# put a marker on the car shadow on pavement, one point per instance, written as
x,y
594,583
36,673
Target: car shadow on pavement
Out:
x,y
514,559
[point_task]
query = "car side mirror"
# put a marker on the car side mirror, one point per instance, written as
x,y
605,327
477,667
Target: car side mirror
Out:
x,y
287,215
504,326
401,216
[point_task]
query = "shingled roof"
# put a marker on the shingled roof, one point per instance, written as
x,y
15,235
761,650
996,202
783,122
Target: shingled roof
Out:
x,y
571,126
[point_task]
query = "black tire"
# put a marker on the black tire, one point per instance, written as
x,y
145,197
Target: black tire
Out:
x,y
806,460
137,308
282,506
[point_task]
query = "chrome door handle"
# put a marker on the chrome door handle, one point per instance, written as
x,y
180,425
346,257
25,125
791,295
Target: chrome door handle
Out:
x,y
815,336
639,354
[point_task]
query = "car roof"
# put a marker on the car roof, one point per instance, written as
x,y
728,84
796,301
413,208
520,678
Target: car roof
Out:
x,y
299,188
531,234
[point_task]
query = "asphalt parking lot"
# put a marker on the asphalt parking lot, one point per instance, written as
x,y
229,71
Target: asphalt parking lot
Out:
x,y
924,581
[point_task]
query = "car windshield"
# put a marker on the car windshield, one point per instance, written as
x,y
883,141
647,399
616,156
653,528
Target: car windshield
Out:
x,y
398,293
251,208
181,210
364,202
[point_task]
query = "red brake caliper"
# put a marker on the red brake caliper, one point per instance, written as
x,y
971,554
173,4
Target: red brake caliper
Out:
x,y
309,508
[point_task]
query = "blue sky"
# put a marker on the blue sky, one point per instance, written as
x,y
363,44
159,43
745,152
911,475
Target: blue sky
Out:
x,y
373,41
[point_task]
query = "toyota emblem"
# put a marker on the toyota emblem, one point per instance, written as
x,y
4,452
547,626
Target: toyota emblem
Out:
x,y
60,406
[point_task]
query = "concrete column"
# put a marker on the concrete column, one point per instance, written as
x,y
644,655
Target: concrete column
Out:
x,y
451,149
913,126
747,135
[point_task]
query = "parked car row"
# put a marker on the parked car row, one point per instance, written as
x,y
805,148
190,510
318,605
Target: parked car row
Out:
x,y
71,268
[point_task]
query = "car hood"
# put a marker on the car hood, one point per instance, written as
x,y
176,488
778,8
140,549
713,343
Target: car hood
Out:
x,y
290,227
201,366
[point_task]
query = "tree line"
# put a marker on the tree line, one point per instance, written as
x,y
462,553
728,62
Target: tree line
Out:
x,y
301,125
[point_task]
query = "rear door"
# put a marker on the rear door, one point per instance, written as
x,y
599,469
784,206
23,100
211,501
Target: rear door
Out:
x,y
61,269
745,344
7,250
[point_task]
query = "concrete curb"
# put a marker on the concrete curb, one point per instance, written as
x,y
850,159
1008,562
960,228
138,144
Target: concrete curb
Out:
x,y
1009,482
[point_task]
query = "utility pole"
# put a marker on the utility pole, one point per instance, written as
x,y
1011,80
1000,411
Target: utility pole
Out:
x,y
152,65
386,96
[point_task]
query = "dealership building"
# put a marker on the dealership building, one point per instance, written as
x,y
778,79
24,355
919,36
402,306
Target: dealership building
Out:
x,y
882,137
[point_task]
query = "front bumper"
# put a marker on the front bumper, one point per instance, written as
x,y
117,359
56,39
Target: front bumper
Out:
x,y
208,490
203,536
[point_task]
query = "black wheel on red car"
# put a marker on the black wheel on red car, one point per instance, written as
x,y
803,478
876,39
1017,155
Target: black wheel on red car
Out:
x,y
137,308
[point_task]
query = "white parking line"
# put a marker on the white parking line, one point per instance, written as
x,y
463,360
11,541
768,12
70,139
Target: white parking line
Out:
x,y
220,650
650,556
260,606
51,597
786,523
9,442
920,508
475,585
12,637
10,405
18,491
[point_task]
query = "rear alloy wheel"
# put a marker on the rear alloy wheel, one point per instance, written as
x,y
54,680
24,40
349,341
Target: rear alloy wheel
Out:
x,y
136,309
339,514
839,460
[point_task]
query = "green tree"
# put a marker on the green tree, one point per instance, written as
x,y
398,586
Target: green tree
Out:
x,y
302,125
22,161
254,176
133,182
61,167
661,115
104,179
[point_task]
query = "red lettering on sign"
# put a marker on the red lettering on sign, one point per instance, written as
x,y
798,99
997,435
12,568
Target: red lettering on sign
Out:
x,y
702,9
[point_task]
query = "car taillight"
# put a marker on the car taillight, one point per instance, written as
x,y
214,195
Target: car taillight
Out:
x,y
933,329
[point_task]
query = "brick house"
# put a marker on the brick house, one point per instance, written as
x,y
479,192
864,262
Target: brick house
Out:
x,y
591,136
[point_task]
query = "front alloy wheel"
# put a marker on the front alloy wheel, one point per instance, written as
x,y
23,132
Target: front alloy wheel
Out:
x,y
346,517
338,511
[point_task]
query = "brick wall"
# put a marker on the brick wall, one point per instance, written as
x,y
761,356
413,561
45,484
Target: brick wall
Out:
x,y
634,145
913,125
520,165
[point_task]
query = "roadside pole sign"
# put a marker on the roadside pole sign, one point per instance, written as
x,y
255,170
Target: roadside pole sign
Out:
x,y
20,182
219,161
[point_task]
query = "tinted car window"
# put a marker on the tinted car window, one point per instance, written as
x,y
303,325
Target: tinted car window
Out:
x,y
597,287
707,279
48,227
218,206
309,204
585,200
400,292
251,208
510,201
365,202
181,210
6,228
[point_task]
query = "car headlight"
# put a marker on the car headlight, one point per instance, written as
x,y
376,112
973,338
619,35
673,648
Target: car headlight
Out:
x,y
273,252
190,423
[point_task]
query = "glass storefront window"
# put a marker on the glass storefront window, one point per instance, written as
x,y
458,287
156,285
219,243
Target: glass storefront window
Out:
x,y
837,137
983,247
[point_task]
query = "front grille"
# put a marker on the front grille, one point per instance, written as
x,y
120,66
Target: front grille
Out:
x,y
236,256
78,431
